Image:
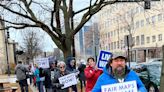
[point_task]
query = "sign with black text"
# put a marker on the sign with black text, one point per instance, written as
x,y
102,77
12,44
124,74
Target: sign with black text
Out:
x,y
42,62
129,86
68,80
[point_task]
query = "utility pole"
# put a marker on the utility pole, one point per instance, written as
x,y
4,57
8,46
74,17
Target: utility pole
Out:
x,y
127,43
7,57
162,73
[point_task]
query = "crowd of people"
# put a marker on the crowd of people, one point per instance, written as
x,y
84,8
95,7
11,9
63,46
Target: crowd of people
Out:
x,y
91,78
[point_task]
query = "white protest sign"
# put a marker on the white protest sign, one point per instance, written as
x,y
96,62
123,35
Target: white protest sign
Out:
x,y
42,62
130,86
68,80
104,56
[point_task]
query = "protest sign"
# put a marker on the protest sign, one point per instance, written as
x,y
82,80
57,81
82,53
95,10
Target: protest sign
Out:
x,y
42,62
103,58
68,80
130,86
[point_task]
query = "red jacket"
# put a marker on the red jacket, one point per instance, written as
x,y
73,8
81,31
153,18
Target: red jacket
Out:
x,y
91,77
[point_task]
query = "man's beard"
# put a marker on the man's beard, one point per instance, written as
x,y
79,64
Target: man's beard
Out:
x,y
119,72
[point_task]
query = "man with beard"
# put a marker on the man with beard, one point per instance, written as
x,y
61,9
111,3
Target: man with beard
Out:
x,y
116,71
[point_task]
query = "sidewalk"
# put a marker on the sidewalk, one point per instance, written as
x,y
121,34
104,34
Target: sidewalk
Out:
x,y
12,79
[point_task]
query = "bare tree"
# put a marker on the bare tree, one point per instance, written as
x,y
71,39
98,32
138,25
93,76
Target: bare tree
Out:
x,y
58,23
32,43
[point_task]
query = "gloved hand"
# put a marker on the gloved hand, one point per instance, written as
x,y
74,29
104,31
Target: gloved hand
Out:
x,y
59,85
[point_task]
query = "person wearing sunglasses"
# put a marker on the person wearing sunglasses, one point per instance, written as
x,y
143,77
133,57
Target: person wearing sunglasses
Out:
x,y
61,72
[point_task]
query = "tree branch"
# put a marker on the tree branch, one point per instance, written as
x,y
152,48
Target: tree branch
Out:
x,y
58,31
30,2
89,14
95,4
17,13
13,22
66,17
29,10
19,27
48,9
19,7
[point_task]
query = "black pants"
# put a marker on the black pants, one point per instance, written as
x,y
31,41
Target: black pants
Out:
x,y
74,88
81,84
23,85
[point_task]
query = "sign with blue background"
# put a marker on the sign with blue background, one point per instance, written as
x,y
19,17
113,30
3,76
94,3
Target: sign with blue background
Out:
x,y
103,58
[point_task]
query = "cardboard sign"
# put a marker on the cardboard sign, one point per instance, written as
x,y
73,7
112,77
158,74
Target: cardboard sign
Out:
x,y
42,62
68,80
130,86
103,58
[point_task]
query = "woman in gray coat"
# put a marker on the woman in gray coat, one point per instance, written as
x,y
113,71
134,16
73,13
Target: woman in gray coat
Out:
x,y
62,72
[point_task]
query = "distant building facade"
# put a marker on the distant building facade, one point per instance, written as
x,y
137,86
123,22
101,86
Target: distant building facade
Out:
x,y
3,62
143,27
87,41
7,50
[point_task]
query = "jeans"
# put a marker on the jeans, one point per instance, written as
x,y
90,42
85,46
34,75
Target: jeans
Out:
x,y
23,84
40,86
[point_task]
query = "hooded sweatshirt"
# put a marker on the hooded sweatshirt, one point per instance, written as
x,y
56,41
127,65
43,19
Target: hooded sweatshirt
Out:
x,y
107,78
20,71
71,69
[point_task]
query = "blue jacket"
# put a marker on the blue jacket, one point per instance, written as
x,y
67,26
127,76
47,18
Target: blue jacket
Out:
x,y
107,78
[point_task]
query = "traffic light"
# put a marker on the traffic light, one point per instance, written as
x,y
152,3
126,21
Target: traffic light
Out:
x,y
147,4
8,35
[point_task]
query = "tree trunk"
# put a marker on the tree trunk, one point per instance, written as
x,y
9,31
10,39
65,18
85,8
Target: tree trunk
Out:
x,y
162,73
67,52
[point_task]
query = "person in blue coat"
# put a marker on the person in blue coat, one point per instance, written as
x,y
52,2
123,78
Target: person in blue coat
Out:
x,y
116,71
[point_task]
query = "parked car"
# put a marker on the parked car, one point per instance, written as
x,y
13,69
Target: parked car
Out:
x,y
155,60
149,74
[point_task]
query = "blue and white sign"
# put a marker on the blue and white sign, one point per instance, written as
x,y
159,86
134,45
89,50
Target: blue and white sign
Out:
x,y
103,58
130,86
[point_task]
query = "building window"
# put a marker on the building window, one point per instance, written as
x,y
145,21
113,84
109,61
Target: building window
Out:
x,y
137,40
142,39
159,17
114,32
118,45
148,39
153,38
160,37
137,24
133,40
141,9
142,23
121,44
108,34
106,48
114,45
137,9
147,21
153,19
109,46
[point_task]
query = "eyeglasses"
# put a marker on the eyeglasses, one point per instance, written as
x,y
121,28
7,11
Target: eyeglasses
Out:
x,y
62,67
